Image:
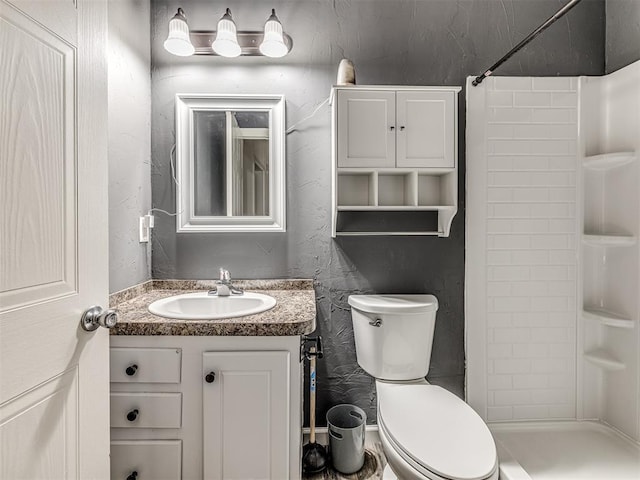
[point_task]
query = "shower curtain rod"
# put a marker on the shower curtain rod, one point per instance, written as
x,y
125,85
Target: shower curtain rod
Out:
x,y
559,14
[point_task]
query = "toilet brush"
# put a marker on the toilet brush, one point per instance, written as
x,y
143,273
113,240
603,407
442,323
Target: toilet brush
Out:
x,y
314,455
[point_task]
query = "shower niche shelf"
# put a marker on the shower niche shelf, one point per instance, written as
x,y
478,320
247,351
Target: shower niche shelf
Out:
x,y
603,359
609,240
608,161
607,318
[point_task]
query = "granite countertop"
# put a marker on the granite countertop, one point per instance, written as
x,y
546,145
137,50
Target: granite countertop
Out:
x,y
294,313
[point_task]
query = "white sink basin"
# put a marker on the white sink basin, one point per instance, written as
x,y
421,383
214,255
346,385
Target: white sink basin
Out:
x,y
201,306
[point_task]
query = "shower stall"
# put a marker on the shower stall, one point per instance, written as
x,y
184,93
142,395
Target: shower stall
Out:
x,y
553,272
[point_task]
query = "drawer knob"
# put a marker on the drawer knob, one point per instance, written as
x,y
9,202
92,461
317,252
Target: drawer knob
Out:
x,y
133,475
132,415
210,378
131,370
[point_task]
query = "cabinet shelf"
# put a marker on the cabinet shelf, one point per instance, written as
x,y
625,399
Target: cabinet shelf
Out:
x,y
608,161
609,240
396,208
603,359
607,318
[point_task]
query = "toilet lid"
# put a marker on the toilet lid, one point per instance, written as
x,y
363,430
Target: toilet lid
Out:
x,y
437,430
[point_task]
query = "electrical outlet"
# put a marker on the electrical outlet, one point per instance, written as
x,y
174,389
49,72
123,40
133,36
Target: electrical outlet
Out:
x,y
144,229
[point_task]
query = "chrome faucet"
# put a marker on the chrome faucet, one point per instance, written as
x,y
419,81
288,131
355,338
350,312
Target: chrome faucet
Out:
x,y
224,287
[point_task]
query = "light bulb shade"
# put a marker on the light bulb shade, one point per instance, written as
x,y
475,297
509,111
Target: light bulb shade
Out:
x,y
273,43
226,42
178,41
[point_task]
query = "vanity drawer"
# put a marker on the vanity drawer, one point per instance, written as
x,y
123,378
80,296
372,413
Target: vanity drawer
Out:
x,y
145,365
146,410
152,459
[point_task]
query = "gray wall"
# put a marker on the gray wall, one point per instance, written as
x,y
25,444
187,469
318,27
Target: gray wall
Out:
x,y
129,140
402,42
623,33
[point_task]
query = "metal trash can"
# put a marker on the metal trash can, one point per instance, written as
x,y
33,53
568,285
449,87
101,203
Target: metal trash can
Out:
x,y
346,425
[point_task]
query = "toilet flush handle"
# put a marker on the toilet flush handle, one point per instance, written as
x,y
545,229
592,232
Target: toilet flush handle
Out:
x,y
376,322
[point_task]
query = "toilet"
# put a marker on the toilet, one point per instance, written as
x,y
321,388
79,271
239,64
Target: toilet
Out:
x,y
426,431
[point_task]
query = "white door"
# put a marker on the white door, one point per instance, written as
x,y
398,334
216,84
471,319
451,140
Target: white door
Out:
x,y
245,400
53,239
426,129
366,133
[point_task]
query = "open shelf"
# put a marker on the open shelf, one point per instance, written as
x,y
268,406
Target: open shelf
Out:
x,y
609,240
607,318
607,161
603,359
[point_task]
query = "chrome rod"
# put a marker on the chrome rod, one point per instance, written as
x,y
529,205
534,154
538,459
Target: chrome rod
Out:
x,y
559,14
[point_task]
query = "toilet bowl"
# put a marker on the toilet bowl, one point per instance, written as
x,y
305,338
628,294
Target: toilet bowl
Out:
x,y
426,431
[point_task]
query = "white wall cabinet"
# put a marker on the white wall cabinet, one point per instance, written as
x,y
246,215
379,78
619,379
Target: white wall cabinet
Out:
x,y
225,408
395,149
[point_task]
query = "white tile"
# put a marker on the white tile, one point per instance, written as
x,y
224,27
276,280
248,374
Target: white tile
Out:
x,y
530,195
530,257
530,350
529,162
513,242
549,147
511,115
498,319
511,335
499,99
512,397
511,304
513,83
498,414
554,210
549,179
499,194
550,396
499,350
553,115
530,412
496,289
498,257
531,319
564,99
510,147
549,272
562,257
550,242
569,162
499,163
550,304
496,225
532,225
541,131
553,83
549,335
531,99
564,194
511,210
562,226
507,273
509,178
562,411
530,381
500,130
532,289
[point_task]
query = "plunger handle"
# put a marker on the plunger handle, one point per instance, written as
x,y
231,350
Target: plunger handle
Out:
x,y
312,395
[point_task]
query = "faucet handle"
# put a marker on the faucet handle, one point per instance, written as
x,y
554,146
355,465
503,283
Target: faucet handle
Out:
x,y
225,276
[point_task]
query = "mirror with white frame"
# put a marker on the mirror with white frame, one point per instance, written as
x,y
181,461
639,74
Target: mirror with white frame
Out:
x,y
230,163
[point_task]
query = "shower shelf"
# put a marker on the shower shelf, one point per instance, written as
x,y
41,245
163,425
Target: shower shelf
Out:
x,y
609,240
603,359
607,161
607,318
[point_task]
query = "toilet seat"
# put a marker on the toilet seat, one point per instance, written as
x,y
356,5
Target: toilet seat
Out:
x,y
435,432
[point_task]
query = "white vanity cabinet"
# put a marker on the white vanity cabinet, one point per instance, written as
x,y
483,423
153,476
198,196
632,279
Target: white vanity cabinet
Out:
x,y
395,150
204,407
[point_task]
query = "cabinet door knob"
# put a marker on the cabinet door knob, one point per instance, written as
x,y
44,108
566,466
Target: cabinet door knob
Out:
x,y
392,128
133,475
210,378
132,415
402,127
131,370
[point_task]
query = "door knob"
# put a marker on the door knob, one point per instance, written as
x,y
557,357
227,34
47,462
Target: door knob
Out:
x,y
131,370
95,317
210,378
133,475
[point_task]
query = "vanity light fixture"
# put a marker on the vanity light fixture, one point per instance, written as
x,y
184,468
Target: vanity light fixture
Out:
x,y
227,41
178,42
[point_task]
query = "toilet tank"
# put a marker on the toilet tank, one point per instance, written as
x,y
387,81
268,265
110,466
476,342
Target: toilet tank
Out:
x,y
394,334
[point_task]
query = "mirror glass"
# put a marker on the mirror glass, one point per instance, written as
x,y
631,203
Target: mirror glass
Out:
x,y
230,163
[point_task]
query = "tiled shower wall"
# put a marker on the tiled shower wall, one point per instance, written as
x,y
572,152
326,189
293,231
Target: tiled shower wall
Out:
x,y
521,233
